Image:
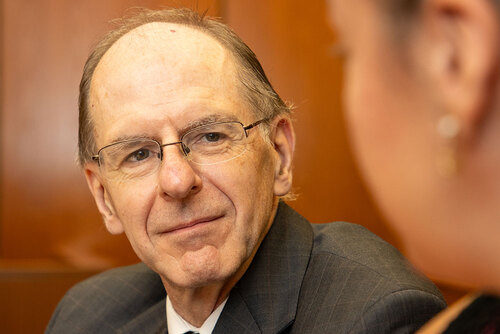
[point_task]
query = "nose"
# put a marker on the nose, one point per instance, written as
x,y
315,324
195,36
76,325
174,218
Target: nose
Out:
x,y
176,178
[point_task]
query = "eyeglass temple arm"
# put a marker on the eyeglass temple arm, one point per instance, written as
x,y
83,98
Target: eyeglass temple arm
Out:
x,y
248,127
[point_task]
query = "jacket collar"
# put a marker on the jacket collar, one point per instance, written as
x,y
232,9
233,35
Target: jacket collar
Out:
x,y
265,299
153,320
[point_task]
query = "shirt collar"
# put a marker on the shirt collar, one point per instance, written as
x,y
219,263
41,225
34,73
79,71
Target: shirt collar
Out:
x,y
177,325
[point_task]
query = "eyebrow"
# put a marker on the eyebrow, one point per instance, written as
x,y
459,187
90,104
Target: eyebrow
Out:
x,y
213,118
129,138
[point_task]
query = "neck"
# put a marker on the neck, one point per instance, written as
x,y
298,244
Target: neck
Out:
x,y
196,305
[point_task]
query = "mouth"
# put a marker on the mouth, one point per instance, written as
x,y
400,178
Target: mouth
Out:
x,y
191,225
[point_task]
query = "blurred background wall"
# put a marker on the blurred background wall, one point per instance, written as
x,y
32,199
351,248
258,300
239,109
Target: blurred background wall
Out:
x,y
51,235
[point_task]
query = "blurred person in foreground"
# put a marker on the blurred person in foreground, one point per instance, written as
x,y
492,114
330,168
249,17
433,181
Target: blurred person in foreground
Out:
x,y
187,149
422,100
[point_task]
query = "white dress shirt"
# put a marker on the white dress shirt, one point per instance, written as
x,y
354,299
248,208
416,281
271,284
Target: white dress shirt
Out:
x,y
177,325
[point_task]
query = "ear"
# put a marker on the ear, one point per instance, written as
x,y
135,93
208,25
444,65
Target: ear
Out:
x,y
102,199
459,51
284,145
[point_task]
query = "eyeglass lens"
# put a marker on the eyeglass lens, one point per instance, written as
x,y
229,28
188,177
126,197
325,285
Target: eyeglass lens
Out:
x,y
204,145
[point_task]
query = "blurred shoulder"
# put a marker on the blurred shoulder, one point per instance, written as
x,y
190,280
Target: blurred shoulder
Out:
x,y
133,277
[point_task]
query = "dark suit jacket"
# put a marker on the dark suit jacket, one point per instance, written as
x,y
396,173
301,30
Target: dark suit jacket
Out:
x,y
327,278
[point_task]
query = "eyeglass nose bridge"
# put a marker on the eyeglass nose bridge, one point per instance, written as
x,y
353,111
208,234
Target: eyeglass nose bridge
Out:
x,y
184,149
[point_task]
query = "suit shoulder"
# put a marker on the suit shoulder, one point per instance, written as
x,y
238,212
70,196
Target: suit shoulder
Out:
x,y
355,246
108,299
354,277
119,284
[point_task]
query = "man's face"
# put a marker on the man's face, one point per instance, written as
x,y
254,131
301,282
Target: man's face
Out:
x,y
193,224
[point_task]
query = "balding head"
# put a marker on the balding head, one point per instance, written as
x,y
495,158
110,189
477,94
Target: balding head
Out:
x,y
254,85
158,65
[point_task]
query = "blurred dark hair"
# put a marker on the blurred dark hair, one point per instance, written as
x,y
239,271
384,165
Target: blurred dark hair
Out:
x,y
256,88
402,16
403,9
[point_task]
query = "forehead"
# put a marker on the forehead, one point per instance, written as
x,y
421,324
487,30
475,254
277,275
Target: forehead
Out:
x,y
162,71
157,45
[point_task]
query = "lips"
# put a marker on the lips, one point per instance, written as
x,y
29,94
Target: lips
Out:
x,y
191,224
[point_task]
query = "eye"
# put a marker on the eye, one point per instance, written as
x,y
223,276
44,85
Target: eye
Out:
x,y
138,155
212,136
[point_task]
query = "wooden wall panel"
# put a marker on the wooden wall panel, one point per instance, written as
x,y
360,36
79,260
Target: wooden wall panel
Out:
x,y
294,44
30,291
47,211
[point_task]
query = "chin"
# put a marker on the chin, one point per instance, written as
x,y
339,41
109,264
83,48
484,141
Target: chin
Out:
x,y
190,279
201,277
198,271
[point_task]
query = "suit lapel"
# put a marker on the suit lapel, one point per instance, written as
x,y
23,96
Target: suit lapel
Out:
x,y
265,299
238,319
153,320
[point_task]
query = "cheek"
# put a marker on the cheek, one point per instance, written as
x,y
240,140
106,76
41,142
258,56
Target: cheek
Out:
x,y
392,137
248,184
244,179
368,102
132,205
378,124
